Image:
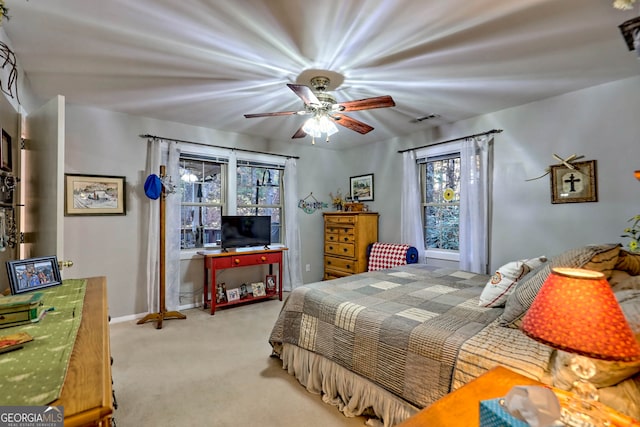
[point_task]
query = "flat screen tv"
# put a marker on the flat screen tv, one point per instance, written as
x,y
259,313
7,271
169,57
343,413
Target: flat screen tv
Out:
x,y
244,231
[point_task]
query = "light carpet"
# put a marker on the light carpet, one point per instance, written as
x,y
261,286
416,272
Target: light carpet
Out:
x,y
211,371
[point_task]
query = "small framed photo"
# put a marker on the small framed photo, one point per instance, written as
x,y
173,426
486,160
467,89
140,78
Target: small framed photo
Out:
x,y
5,152
361,188
270,284
27,275
574,185
221,293
244,291
258,289
94,195
233,294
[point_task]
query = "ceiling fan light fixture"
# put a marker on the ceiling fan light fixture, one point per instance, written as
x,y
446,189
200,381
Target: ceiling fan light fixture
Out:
x,y
318,125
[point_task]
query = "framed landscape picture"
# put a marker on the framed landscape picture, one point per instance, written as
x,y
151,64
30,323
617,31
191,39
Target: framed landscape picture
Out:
x,y
362,188
94,195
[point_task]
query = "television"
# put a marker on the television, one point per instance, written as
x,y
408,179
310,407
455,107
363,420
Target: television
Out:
x,y
243,231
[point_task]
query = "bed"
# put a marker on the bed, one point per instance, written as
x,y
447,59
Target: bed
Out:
x,y
387,343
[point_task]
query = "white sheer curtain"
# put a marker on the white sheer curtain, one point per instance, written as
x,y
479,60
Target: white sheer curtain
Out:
x,y
410,217
168,154
293,261
476,159
172,237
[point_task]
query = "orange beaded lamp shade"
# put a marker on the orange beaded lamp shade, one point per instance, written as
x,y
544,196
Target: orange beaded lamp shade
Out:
x,y
576,311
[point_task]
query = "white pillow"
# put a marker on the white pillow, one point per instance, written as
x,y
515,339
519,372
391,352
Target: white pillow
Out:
x,y
504,281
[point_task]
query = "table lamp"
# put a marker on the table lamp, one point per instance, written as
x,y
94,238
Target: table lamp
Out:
x,y
576,311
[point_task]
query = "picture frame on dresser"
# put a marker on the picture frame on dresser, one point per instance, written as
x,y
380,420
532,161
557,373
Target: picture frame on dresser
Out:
x,y
30,274
361,188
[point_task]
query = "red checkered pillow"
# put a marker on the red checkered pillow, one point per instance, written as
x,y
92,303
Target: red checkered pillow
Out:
x,y
387,255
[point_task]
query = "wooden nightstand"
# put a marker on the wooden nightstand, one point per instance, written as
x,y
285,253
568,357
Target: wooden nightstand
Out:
x,y
462,407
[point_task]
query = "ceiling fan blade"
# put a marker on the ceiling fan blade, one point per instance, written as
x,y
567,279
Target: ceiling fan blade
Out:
x,y
351,123
305,93
367,103
279,113
299,133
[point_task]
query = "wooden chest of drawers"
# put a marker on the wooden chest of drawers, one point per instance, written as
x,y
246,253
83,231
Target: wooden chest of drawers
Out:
x,y
346,237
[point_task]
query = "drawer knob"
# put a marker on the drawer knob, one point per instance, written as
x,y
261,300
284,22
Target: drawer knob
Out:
x,y
237,260
330,248
328,262
344,250
346,239
348,266
263,258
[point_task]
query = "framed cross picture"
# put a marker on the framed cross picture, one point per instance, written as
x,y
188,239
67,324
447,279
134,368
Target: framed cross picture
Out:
x,y
574,185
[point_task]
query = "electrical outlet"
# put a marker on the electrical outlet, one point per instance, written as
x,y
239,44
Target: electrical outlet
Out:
x,y
307,267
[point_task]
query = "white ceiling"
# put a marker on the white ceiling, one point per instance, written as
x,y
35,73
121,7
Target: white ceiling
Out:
x,y
208,62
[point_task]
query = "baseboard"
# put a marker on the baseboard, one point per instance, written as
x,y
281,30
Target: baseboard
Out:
x,y
132,317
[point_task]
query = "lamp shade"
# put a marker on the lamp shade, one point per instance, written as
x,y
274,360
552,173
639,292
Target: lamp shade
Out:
x,y
576,311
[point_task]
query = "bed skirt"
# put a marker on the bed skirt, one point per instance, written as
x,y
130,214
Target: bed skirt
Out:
x,y
349,392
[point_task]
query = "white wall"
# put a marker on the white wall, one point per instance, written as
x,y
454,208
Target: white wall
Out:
x,y
600,123
107,143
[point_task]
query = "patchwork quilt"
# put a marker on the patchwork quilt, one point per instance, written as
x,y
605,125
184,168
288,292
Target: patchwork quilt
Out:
x,y
401,328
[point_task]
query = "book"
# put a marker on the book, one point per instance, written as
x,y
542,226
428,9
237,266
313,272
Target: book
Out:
x,y
19,309
14,341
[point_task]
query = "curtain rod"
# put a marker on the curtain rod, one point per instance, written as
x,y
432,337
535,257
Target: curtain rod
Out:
x,y
217,146
489,132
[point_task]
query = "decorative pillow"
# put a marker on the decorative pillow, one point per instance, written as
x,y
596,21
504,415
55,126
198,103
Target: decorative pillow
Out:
x,y
605,261
618,276
503,282
607,373
629,262
631,282
521,298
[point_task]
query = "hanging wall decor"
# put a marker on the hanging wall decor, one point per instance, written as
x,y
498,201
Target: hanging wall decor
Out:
x,y
310,204
6,152
574,183
94,195
361,188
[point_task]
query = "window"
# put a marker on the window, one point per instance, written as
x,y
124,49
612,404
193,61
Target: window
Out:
x,y
440,178
259,192
202,184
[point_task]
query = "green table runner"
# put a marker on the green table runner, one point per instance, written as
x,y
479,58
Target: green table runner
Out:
x,y
34,374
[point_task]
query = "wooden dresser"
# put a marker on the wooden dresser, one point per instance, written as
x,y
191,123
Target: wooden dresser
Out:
x,y
87,394
346,237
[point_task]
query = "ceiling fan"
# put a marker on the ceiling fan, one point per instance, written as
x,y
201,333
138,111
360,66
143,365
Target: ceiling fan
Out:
x,y
325,111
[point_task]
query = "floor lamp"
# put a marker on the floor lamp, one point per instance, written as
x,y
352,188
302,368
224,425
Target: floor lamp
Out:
x,y
162,313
